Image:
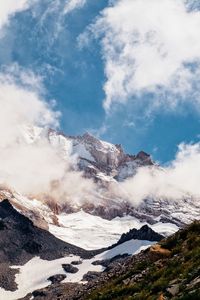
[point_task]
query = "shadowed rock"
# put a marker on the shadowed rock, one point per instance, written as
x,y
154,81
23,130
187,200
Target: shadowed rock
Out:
x,y
57,278
144,233
69,268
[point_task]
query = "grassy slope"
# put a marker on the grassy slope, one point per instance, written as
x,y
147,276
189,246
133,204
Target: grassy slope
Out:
x,y
174,274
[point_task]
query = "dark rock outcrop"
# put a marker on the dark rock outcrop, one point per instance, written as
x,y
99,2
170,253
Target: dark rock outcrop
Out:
x,y
69,268
106,262
144,233
20,240
57,278
76,262
91,276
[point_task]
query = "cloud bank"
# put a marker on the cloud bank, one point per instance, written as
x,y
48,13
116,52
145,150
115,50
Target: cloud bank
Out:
x,y
149,47
180,180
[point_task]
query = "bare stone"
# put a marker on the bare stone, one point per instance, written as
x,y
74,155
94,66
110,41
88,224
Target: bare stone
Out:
x,y
174,289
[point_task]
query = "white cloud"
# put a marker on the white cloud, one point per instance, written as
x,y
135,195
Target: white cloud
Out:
x,y
22,106
149,46
9,8
36,167
55,14
180,180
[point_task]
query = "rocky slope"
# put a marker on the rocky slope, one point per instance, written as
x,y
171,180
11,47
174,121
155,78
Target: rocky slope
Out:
x,y
20,241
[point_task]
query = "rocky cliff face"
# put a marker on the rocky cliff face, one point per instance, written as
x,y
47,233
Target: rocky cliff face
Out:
x,y
101,160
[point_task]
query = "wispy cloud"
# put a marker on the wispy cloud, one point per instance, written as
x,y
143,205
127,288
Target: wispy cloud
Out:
x,y
73,4
41,9
149,47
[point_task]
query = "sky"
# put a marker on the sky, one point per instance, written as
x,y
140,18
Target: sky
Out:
x,y
127,71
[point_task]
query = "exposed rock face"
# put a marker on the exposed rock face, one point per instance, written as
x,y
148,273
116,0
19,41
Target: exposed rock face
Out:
x,y
174,289
76,262
69,268
106,262
20,240
98,158
90,276
105,154
144,233
57,278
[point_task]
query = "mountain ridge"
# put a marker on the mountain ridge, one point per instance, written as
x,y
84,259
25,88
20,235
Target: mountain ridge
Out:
x,y
106,166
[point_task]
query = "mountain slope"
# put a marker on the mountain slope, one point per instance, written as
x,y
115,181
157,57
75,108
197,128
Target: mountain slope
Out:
x,y
167,270
20,241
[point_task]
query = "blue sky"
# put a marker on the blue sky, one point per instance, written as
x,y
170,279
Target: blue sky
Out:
x,y
73,52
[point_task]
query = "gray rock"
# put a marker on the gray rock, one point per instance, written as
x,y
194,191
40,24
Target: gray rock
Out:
x,y
91,276
57,278
193,283
76,262
174,289
69,268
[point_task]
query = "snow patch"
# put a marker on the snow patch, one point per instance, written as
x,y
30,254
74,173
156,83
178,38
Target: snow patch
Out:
x,y
34,274
92,232
82,152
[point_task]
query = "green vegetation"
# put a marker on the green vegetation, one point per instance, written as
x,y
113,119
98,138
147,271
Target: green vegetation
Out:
x,y
171,275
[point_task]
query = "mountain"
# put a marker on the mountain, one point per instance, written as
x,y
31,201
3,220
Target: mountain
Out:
x,y
51,241
167,270
106,165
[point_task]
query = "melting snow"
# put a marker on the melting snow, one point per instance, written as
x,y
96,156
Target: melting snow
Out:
x,y
93,232
33,275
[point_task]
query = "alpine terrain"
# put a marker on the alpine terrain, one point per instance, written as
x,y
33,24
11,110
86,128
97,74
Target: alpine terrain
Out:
x,y
48,240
